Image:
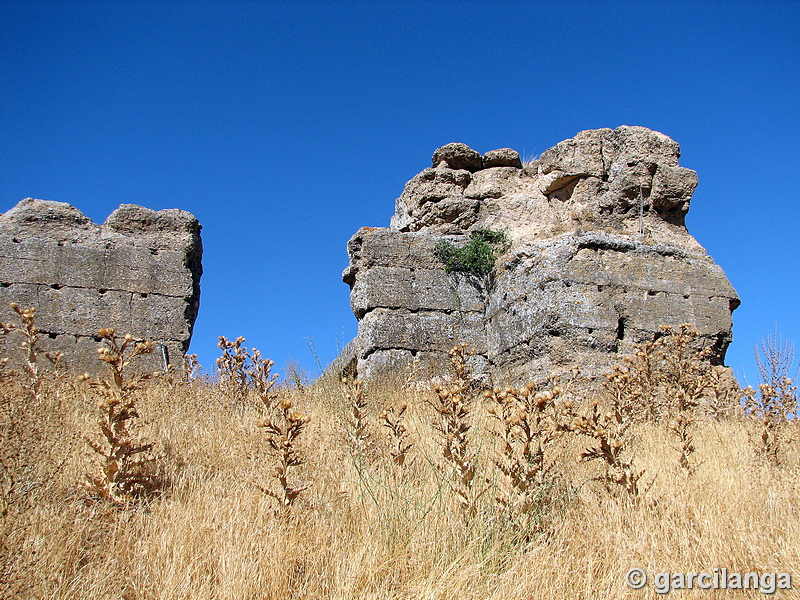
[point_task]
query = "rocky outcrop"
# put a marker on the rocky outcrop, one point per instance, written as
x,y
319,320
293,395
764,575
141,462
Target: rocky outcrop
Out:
x,y
599,258
138,273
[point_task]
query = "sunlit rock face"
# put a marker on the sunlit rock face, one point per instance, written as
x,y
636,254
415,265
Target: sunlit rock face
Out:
x,y
599,258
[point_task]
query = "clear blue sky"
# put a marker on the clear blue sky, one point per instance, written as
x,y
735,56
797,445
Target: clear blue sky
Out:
x,y
286,126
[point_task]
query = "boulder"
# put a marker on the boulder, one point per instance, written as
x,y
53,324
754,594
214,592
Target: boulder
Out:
x,y
599,258
457,156
504,157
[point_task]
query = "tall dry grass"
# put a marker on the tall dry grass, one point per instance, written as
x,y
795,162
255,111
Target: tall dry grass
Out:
x,y
370,525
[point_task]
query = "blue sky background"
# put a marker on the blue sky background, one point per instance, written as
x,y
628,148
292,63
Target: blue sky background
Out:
x,y
286,126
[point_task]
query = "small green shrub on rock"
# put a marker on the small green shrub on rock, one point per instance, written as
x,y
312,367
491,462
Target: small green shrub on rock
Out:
x,y
477,257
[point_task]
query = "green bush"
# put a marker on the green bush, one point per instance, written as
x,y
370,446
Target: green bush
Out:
x,y
477,257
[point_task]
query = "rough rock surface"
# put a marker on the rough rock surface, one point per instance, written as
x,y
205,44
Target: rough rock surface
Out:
x,y
138,273
504,157
457,156
599,258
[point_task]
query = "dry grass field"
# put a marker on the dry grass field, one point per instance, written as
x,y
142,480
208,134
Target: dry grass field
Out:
x,y
249,488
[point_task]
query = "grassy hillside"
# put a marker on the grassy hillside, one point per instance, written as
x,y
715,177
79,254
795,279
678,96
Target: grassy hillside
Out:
x,y
246,487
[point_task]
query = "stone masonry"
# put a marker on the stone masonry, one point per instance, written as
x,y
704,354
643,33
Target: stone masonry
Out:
x,y
599,258
138,273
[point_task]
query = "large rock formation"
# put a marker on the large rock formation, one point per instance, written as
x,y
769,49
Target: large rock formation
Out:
x,y
138,273
599,258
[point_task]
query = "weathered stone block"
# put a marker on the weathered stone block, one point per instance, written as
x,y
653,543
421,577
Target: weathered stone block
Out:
x,y
138,273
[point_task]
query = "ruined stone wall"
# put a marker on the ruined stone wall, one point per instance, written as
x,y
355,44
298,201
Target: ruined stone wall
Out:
x,y
599,258
138,273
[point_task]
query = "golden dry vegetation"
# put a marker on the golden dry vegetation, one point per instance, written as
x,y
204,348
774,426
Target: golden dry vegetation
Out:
x,y
245,487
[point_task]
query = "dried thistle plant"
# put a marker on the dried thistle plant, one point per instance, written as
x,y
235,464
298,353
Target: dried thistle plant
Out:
x,y
687,377
27,415
358,434
609,431
241,371
127,465
31,366
723,396
231,366
283,430
5,329
393,418
667,379
529,422
453,404
192,367
775,405
118,356
260,377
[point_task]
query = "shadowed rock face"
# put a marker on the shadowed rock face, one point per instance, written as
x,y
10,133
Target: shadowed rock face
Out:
x,y
138,273
599,259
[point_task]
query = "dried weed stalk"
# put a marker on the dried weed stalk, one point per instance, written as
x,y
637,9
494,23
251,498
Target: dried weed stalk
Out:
x,y
260,377
775,406
454,404
241,371
609,431
298,376
529,423
33,369
358,434
232,366
127,465
393,418
724,395
192,367
283,430
668,380
28,415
